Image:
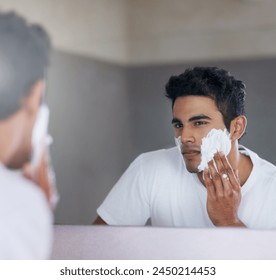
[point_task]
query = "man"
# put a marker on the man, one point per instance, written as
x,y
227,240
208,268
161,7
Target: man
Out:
x,y
238,190
25,213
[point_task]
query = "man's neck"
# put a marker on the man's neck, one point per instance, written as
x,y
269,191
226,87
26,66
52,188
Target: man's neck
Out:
x,y
245,167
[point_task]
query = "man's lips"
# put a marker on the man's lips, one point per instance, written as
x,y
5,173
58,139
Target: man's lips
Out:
x,y
190,153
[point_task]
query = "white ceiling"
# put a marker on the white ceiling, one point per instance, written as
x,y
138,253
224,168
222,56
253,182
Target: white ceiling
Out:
x,y
156,31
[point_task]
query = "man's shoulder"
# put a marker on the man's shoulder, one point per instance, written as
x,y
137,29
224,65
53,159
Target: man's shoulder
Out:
x,y
267,168
17,191
13,182
264,167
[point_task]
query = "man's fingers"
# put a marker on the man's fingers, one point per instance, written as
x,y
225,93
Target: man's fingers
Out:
x,y
236,172
227,187
40,174
209,184
43,178
216,179
230,173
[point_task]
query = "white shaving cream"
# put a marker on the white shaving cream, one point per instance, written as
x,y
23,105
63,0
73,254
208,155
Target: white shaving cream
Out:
x,y
178,142
217,140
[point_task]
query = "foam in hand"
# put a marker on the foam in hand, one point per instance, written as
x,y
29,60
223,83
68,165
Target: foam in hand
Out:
x,y
217,140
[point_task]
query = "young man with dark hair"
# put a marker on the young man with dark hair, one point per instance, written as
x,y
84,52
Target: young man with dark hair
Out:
x,y
237,190
26,217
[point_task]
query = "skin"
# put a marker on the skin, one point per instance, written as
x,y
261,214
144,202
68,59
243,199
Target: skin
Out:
x,y
224,194
193,118
99,221
16,147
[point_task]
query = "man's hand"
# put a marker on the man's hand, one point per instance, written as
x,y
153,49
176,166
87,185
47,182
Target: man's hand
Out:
x,y
41,176
223,192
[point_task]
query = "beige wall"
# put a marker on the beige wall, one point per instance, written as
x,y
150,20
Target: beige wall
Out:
x,y
195,30
94,28
132,32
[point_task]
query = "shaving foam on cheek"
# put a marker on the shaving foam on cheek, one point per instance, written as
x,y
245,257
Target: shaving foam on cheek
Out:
x,y
177,141
217,140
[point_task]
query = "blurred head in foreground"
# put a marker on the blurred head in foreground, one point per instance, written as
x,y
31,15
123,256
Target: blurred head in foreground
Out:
x,y
24,58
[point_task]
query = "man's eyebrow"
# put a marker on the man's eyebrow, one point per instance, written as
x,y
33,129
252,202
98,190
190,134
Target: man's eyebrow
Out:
x,y
175,120
199,117
194,118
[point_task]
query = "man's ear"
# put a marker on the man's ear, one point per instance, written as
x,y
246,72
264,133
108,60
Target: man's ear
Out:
x,y
237,127
32,101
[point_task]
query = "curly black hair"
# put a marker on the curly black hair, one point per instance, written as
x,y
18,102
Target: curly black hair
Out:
x,y
218,84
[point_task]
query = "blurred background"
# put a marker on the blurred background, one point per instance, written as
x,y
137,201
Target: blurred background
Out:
x,y
110,63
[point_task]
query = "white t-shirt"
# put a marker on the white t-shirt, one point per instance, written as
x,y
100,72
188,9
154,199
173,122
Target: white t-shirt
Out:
x,y
158,186
26,220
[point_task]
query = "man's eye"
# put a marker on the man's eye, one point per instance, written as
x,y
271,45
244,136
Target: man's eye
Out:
x,y
177,125
199,123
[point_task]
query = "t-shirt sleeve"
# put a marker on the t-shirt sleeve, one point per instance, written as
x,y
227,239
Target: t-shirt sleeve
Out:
x,y
128,201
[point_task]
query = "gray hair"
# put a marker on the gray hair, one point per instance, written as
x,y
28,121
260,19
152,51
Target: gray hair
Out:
x,y
24,59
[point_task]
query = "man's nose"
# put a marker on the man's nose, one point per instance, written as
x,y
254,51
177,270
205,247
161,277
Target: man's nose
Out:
x,y
187,136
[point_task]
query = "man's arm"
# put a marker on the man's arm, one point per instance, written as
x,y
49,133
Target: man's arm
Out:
x,y
223,193
99,221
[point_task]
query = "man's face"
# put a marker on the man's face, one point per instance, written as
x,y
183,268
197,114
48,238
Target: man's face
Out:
x,y
193,118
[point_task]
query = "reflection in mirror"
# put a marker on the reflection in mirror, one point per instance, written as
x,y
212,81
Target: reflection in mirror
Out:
x,y
171,187
107,84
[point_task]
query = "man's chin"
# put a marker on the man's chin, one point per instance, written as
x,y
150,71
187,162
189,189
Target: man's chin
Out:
x,y
19,161
192,168
192,163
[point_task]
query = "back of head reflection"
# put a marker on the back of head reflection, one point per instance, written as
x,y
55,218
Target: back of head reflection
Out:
x,y
26,216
